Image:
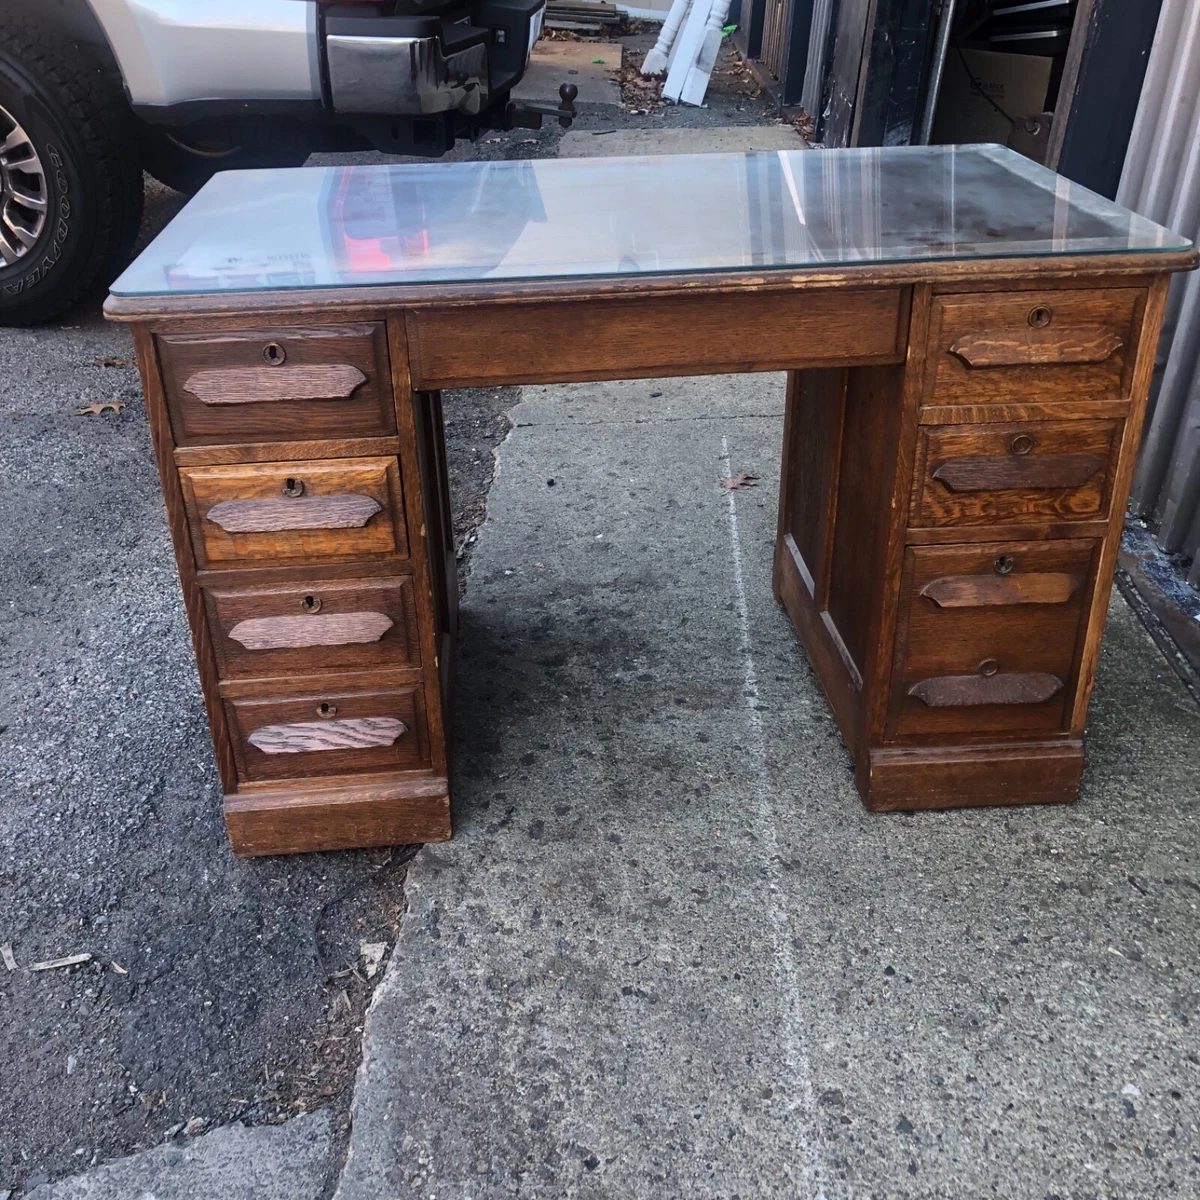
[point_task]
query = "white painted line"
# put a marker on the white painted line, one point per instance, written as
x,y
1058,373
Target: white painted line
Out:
x,y
803,1103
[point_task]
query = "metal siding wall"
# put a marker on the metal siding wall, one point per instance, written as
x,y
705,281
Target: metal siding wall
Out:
x,y
1161,179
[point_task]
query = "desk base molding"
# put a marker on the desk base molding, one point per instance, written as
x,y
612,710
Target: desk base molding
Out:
x,y
905,778
392,813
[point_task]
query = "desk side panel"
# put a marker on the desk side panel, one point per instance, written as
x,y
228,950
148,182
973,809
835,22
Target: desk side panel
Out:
x,y
185,557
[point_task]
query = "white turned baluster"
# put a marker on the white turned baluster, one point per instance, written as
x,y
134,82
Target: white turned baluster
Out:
x,y
658,58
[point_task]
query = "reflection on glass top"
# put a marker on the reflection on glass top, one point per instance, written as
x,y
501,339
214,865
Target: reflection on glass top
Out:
x,y
314,227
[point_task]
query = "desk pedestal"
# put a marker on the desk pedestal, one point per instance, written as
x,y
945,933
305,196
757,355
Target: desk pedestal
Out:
x,y
948,531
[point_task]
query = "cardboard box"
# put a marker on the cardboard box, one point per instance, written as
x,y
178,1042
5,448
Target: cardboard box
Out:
x,y
1016,83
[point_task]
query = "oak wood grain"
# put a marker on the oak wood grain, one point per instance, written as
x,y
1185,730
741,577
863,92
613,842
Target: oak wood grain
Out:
x,y
270,385
336,629
984,350
300,737
1027,472
651,338
874,411
264,626
330,380
1122,480
1004,473
185,556
966,691
1034,410
815,417
904,778
251,452
888,627
899,468
403,810
937,640
437,652
301,512
976,591
366,518
1041,347
350,749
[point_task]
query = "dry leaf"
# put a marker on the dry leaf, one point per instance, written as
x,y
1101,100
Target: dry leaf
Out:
x,y
107,406
109,361
71,960
372,955
741,481
7,954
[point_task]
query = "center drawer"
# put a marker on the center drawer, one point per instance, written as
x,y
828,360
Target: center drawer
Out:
x,y
1029,472
317,625
988,637
331,509
322,727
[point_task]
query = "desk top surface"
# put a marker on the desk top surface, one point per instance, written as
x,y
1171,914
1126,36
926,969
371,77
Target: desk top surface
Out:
x,y
606,218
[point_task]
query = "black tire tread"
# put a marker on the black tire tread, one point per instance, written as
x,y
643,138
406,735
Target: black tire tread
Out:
x,y
93,102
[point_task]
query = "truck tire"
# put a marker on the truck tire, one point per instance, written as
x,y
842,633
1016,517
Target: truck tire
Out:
x,y
70,175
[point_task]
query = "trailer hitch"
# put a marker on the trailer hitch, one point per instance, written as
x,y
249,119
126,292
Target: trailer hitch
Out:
x,y
529,116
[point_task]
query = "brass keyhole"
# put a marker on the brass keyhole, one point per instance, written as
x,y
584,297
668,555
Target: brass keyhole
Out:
x,y
274,354
1040,317
311,604
1004,565
325,709
988,667
293,487
1021,444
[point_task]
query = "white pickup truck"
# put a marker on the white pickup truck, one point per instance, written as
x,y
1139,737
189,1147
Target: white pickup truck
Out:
x,y
93,92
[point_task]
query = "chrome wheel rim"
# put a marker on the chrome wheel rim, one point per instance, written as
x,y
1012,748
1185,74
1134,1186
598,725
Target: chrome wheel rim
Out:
x,y
23,201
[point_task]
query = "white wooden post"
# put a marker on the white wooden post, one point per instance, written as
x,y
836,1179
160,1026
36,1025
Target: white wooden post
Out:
x,y
696,51
696,83
659,57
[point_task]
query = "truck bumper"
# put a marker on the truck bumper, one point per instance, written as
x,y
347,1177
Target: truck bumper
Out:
x,y
405,75
423,66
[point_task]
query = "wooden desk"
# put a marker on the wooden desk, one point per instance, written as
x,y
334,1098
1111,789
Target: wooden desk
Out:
x,y
969,343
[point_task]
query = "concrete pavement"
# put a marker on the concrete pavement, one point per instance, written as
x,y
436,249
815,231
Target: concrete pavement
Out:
x,y
669,953
272,1162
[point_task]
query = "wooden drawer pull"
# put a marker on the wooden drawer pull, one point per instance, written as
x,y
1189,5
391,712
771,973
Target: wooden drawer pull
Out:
x,y
977,591
1017,471
354,733
336,629
1024,347
303,512
265,385
960,691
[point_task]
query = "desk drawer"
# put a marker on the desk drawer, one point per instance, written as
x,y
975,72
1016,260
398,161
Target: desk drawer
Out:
x,y
1029,472
317,625
332,510
321,727
1031,346
271,385
988,637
